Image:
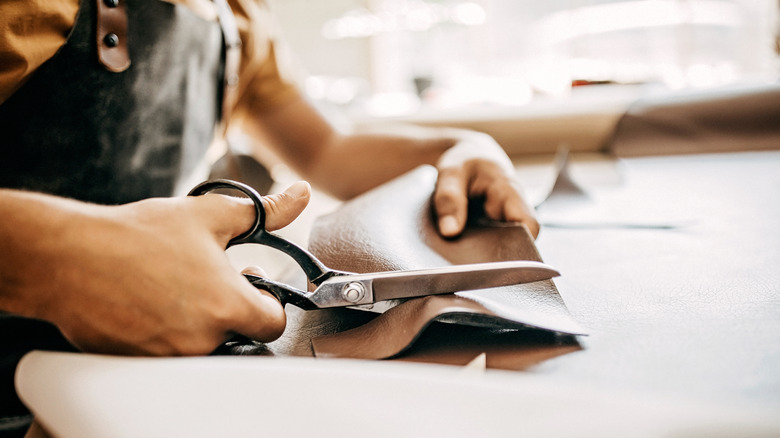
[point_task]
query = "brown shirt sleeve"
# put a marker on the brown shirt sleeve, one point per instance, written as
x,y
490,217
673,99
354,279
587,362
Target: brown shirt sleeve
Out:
x,y
32,32
267,77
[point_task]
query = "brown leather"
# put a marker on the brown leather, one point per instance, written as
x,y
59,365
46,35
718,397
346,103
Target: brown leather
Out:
x,y
397,331
392,228
112,27
739,118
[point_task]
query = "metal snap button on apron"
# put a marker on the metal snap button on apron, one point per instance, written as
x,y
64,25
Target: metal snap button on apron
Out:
x,y
111,40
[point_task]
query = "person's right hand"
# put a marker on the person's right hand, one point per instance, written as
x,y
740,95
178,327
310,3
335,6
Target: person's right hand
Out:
x,y
146,278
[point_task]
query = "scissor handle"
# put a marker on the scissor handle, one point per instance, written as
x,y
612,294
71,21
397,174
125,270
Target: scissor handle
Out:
x,y
315,271
284,293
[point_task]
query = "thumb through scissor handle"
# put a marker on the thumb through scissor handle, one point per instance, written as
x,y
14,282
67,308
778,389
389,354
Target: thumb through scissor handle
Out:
x,y
256,233
315,271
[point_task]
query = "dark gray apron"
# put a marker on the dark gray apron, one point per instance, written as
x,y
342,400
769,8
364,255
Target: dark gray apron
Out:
x,y
76,129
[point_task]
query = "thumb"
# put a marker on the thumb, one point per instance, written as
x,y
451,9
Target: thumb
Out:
x,y
230,216
283,208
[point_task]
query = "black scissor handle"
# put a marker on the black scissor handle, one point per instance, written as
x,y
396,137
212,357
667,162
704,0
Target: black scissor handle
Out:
x,y
315,271
257,230
284,293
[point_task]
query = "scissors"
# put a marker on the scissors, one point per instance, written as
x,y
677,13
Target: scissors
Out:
x,y
348,289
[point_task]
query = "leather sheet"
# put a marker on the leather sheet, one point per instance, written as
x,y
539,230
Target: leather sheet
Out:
x,y
392,227
737,118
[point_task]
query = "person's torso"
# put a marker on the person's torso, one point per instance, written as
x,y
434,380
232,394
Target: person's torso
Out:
x,y
78,130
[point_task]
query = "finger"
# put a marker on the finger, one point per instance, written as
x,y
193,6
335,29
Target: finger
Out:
x,y
283,208
254,270
451,201
522,212
505,202
226,216
263,318
259,272
230,216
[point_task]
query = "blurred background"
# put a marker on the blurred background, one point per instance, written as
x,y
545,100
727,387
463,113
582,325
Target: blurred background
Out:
x,y
396,58
537,75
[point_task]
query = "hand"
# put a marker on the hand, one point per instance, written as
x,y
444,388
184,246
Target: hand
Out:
x,y
476,166
148,278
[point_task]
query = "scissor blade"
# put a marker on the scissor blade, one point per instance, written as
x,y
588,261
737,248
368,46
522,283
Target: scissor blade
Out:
x,y
456,278
359,289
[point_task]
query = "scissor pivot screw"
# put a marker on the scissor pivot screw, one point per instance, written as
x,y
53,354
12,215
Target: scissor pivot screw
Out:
x,y
353,292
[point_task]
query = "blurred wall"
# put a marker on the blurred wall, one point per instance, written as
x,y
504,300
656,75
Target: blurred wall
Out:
x,y
302,21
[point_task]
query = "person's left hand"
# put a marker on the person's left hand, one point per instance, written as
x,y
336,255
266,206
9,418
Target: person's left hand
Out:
x,y
477,167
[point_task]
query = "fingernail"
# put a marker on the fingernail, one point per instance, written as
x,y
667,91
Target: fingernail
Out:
x,y
297,190
448,225
254,270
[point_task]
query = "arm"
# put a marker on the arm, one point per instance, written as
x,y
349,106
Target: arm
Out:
x,y
149,277
470,164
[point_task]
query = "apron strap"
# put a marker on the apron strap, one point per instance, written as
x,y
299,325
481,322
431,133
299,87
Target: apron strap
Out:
x,y
232,60
112,35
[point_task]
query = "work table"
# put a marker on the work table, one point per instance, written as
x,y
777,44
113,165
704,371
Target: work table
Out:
x,y
669,262
691,309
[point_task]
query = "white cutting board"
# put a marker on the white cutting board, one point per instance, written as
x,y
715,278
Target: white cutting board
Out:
x,y
85,396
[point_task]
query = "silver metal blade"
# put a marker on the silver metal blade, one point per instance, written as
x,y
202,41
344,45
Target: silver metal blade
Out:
x,y
357,289
456,278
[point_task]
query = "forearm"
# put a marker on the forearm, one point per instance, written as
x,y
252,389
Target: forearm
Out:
x,y
470,164
346,165
150,277
349,165
370,159
32,229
